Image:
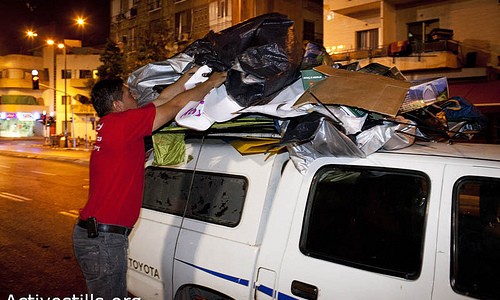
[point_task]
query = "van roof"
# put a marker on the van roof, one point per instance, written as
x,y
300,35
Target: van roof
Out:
x,y
459,150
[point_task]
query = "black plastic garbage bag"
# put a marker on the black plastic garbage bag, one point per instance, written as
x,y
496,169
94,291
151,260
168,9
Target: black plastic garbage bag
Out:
x,y
262,55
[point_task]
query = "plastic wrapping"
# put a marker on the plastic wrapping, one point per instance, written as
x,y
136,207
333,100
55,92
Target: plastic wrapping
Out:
x,y
281,105
142,82
169,149
392,134
262,57
315,137
371,140
351,124
403,136
315,55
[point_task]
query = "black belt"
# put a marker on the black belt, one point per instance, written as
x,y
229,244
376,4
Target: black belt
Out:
x,y
106,227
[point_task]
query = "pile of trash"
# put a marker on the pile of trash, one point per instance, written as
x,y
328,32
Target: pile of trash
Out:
x,y
317,108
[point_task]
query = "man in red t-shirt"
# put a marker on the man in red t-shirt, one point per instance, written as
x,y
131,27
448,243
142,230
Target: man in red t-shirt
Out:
x,y
100,237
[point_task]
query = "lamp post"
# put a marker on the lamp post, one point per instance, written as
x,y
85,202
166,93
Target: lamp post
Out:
x,y
63,47
65,96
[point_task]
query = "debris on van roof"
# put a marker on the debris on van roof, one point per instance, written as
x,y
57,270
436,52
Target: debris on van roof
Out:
x,y
303,101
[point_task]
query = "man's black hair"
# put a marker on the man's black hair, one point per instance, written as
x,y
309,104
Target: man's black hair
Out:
x,y
104,93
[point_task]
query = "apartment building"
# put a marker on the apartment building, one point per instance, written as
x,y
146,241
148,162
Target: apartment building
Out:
x,y
357,29
456,39
180,22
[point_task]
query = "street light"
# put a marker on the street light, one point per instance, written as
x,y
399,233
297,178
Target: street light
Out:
x,y
31,35
80,22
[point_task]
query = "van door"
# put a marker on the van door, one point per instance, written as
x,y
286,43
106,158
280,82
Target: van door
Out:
x,y
220,235
468,256
153,240
363,229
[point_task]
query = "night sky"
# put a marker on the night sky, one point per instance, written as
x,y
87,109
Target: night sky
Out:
x,y
51,19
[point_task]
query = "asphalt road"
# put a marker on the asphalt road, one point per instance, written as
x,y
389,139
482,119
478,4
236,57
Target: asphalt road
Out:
x,y
39,202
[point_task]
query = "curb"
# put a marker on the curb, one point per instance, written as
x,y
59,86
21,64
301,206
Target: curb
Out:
x,y
45,157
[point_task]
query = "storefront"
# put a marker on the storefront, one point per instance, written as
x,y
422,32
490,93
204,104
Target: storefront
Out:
x,y
19,124
20,116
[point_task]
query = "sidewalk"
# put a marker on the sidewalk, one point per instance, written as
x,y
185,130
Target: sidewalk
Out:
x,y
34,147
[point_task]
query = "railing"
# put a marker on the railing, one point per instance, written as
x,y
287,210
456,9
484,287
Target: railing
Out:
x,y
417,49
83,109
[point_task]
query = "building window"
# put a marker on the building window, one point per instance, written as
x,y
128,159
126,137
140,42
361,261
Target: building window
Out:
x,y
210,197
64,99
476,238
66,74
219,15
367,39
183,25
85,73
153,4
367,218
420,31
131,38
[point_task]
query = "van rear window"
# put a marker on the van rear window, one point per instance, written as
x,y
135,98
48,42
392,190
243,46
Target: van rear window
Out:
x,y
210,197
475,249
367,218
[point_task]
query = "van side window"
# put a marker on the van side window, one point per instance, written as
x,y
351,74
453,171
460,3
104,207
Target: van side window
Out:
x,y
213,197
475,262
367,218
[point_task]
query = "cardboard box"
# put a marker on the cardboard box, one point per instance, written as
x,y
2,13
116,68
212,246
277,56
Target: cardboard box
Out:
x,y
425,93
370,92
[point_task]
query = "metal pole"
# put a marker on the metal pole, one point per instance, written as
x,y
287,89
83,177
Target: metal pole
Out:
x,y
65,99
54,75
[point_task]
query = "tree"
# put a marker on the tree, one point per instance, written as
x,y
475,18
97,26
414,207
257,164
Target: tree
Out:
x,y
113,61
150,48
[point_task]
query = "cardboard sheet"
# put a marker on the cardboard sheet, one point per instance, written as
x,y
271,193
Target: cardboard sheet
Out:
x,y
371,92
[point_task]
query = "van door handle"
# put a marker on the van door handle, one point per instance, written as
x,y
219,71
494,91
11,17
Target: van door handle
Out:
x,y
304,290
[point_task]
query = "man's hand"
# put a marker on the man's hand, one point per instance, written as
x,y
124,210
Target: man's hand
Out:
x,y
217,79
170,103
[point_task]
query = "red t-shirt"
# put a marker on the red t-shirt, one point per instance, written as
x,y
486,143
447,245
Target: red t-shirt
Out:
x,y
117,167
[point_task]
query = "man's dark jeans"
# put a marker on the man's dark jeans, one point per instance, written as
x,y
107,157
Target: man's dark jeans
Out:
x,y
103,261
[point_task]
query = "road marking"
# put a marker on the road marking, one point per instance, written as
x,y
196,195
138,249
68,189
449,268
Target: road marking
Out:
x,y
43,173
72,213
14,197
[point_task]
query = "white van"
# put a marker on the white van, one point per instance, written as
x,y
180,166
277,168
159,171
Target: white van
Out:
x,y
417,223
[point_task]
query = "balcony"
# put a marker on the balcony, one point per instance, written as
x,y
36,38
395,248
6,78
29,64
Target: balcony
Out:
x,y
14,83
79,82
83,109
432,55
348,8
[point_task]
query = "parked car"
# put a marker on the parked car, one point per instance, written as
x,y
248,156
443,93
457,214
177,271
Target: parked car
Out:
x,y
416,223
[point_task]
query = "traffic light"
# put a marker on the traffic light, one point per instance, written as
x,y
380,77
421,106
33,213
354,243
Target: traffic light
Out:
x,y
35,79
